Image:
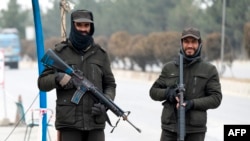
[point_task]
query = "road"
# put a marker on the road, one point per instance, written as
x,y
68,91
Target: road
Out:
x,y
132,95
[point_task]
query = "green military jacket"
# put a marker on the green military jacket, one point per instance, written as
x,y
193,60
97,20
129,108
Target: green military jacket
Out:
x,y
202,85
95,66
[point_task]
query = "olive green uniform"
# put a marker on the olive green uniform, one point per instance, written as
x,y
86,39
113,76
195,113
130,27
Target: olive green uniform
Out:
x,y
95,66
202,86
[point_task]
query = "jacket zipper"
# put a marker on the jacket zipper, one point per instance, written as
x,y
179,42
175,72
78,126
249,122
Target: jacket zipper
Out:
x,y
195,82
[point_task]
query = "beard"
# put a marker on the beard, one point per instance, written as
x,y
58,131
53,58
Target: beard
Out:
x,y
190,52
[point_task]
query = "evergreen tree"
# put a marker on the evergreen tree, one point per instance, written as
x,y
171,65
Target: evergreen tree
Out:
x,y
14,17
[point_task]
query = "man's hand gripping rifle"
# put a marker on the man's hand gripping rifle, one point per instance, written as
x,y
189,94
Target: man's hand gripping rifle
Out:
x,y
50,59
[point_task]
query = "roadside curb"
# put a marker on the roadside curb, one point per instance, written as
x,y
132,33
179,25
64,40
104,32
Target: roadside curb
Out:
x,y
238,87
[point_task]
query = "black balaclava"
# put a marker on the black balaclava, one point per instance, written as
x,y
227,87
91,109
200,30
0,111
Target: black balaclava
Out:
x,y
80,41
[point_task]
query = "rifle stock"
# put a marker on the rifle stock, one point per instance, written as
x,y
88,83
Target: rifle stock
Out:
x,y
181,110
50,59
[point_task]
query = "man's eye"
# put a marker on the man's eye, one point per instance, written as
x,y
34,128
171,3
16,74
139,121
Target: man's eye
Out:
x,y
82,24
78,24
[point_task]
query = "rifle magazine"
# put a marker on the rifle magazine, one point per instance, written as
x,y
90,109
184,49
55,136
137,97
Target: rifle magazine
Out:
x,y
77,96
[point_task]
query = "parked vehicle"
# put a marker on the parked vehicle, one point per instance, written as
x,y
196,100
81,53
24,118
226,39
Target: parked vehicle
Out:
x,y
10,44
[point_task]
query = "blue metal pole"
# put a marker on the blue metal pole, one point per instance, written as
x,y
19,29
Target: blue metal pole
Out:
x,y
40,53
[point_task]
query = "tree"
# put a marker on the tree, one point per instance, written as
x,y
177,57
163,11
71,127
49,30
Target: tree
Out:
x,y
139,53
52,21
14,17
118,46
237,13
246,39
212,47
165,45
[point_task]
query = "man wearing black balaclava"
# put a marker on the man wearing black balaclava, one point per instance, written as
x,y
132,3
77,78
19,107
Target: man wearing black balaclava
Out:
x,y
202,90
85,119
82,29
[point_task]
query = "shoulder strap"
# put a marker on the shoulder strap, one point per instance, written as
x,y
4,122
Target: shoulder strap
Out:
x,y
109,122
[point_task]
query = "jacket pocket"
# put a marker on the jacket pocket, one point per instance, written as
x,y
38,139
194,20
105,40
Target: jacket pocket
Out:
x,y
197,118
168,114
96,66
199,84
65,113
96,73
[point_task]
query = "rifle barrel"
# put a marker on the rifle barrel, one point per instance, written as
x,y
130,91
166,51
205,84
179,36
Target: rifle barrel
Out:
x,y
181,110
139,130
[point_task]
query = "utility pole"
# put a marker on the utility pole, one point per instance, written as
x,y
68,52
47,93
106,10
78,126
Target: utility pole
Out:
x,y
222,36
40,53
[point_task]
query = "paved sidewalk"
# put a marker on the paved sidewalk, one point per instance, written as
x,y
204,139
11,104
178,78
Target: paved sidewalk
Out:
x,y
10,133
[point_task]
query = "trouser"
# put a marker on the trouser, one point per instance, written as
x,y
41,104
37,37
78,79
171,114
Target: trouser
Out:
x,y
172,136
78,135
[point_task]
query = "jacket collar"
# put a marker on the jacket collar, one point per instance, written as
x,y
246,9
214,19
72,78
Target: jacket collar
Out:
x,y
187,62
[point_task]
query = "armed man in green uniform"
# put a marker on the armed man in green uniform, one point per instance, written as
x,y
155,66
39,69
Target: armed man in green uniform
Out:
x,y
202,90
84,121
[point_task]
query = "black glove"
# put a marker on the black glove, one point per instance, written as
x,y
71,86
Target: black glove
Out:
x,y
64,80
189,105
98,111
170,94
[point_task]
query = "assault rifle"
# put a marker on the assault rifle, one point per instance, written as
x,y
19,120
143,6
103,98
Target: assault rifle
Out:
x,y
50,59
181,110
